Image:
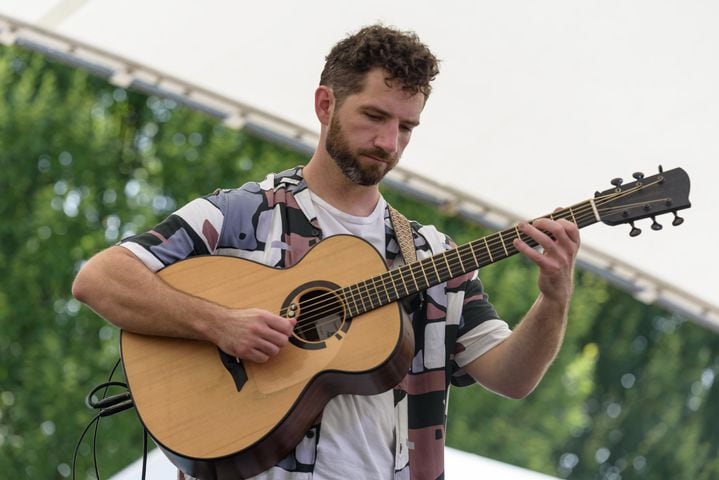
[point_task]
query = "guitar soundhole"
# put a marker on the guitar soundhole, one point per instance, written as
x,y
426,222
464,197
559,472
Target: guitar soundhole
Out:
x,y
321,315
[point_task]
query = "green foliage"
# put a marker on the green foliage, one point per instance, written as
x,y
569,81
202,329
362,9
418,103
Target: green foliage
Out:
x,y
83,164
652,414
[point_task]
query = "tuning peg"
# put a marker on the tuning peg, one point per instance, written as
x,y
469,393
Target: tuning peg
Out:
x,y
677,220
617,182
634,232
638,175
656,226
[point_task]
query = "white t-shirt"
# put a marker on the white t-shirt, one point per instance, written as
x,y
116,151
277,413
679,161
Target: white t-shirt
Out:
x,y
357,432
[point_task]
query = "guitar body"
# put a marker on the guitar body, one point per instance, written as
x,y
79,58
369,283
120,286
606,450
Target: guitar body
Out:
x,y
216,418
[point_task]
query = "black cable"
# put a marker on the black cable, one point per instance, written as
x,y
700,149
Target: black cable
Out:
x,y
106,406
77,447
112,372
89,402
106,401
94,448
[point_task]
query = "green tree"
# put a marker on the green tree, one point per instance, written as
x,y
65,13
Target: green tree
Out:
x,y
652,410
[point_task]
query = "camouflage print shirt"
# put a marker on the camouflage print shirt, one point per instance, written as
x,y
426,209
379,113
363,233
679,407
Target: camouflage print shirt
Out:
x,y
273,222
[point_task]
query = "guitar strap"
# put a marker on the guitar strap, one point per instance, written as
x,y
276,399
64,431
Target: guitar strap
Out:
x,y
403,233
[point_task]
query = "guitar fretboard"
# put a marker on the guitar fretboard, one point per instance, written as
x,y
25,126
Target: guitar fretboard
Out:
x,y
409,279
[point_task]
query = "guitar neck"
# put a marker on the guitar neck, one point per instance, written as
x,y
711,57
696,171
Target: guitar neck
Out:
x,y
409,279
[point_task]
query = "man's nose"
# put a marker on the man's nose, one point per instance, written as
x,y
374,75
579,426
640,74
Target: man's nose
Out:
x,y
388,138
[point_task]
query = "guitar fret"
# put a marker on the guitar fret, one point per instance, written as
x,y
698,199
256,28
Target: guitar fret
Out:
x,y
343,298
400,284
372,295
446,261
518,233
411,272
424,274
362,297
376,291
459,257
385,288
503,245
354,300
362,300
471,249
368,295
489,252
594,210
394,285
434,265
398,272
359,297
375,294
571,212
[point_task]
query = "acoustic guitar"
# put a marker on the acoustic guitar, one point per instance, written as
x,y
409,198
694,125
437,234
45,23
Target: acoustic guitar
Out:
x,y
216,417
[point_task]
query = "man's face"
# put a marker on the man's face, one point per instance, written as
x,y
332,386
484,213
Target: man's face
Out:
x,y
369,131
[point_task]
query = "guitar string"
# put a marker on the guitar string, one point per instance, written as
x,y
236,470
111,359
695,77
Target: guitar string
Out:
x,y
582,213
454,258
330,297
306,320
317,307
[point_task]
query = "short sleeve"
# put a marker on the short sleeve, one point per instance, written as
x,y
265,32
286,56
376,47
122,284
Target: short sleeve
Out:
x,y
480,330
194,229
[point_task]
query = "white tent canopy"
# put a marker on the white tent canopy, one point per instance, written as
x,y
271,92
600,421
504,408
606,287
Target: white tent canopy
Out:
x,y
538,104
459,466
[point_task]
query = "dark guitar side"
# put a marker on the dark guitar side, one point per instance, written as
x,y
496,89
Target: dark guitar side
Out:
x,y
188,400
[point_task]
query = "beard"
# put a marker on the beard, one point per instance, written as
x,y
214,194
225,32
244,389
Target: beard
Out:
x,y
366,175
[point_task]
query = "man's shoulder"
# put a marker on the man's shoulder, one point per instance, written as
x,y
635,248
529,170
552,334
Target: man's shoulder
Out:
x,y
290,179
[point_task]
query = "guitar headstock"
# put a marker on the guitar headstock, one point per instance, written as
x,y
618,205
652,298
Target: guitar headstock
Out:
x,y
646,197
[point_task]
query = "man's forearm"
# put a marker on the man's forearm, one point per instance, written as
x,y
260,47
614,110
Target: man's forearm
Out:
x,y
515,367
117,286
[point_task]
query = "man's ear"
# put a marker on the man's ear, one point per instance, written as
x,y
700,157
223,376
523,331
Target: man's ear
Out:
x,y
324,104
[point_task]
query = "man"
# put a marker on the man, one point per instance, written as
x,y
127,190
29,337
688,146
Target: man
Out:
x,y
371,95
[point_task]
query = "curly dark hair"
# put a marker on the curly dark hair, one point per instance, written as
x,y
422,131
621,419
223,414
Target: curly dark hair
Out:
x,y
400,54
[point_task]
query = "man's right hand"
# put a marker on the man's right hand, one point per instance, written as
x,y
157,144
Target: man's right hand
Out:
x,y
252,334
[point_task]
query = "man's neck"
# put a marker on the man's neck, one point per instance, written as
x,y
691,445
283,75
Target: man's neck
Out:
x,y
336,189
